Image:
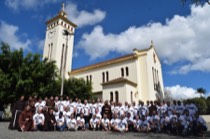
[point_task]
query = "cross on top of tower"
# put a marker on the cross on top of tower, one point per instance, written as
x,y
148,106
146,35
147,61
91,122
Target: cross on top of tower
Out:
x,y
63,7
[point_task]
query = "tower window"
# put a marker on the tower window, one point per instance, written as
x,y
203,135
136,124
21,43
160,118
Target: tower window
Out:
x,y
87,78
126,70
61,22
103,77
122,72
107,76
90,78
51,51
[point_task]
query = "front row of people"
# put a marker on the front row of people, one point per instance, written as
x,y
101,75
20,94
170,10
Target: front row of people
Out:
x,y
50,120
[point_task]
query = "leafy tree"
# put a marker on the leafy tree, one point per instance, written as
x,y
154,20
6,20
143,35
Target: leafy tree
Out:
x,y
30,75
74,87
201,91
25,75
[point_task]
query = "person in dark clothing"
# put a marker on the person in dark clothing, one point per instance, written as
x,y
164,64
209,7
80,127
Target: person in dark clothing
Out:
x,y
106,109
16,110
25,120
50,103
50,121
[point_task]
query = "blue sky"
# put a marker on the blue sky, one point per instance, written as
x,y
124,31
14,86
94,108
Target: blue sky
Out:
x,y
180,34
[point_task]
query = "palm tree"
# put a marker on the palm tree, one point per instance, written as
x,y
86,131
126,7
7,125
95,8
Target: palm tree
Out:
x,y
201,91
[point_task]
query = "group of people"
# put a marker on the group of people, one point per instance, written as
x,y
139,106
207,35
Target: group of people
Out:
x,y
62,114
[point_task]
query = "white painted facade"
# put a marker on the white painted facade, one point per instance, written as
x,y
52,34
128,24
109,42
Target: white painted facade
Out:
x,y
134,76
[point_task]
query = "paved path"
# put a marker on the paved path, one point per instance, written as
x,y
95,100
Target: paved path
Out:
x,y
13,134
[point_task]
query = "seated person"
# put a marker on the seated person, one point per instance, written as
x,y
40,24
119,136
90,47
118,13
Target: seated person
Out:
x,y
81,122
136,123
200,125
39,119
114,121
71,123
50,121
60,122
94,123
105,123
144,125
122,125
25,120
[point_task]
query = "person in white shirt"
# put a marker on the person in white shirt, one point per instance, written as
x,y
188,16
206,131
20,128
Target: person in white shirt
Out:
x,y
122,125
155,122
86,112
129,120
81,122
144,125
94,123
39,104
200,125
38,120
136,124
99,104
98,115
165,123
60,122
71,123
72,106
105,123
180,107
79,107
114,121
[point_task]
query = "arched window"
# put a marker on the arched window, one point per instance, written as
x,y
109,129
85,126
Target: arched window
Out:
x,y
116,96
51,51
131,97
107,76
87,79
111,96
122,72
127,71
90,78
103,77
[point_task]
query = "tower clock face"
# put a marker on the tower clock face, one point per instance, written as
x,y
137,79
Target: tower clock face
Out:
x,y
51,33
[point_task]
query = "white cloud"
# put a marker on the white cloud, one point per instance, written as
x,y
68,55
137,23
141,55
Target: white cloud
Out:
x,y
180,39
28,4
8,34
84,18
181,92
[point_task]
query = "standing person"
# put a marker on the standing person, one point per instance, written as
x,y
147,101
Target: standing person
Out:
x,y
106,109
50,103
25,120
86,112
16,110
39,119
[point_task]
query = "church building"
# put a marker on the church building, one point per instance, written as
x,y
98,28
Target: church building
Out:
x,y
133,77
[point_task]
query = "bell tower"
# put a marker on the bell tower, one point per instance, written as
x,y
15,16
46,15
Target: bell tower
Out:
x,y
59,41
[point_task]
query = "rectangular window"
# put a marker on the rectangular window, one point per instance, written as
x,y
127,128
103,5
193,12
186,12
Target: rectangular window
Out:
x,y
90,78
122,72
107,76
127,71
103,77
61,67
